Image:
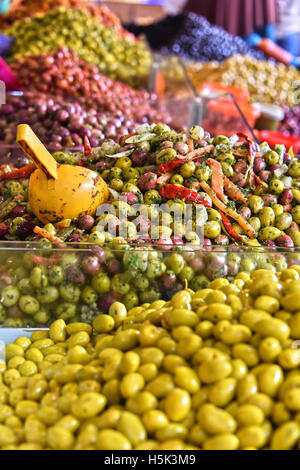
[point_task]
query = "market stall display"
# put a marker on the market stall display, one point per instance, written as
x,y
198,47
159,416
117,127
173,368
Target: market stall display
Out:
x,y
213,369
158,266
265,81
97,44
254,186
59,123
29,8
291,122
193,37
71,79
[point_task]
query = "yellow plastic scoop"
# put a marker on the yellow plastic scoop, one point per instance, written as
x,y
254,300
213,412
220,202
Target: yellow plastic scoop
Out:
x,y
57,192
34,149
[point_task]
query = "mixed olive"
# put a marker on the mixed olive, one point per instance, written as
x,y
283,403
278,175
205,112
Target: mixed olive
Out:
x,y
213,369
39,284
119,57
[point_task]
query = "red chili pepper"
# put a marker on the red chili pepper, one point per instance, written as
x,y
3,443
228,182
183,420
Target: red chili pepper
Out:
x,y
87,146
171,191
257,179
228,227
20,173
169,166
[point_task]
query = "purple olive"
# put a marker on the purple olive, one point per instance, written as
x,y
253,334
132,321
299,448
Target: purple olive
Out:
x,y
24,230
3,229
265,175
269,199
113,266
239,179
259,164
74,275
294,227
269,243
233,268
130,197
14,312
197,263
285,241
245,212
166,144
99,252
18,211
182,148
222,240
168,280
286,196
91,265
240,167
274,167
207,242
105,301
287,158
86,222
148,181
139,157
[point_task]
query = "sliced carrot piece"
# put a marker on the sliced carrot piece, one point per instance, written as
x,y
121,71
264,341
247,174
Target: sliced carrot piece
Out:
x,y
228,211
43,233
217,177
233,191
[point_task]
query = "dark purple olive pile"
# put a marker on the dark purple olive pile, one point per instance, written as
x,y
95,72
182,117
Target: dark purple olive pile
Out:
x,y
192,36
58,123
291,122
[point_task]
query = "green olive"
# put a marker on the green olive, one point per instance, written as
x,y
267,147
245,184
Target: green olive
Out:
x,y
271,158
187,169
255,223
212,229
203,172
296,214
256,204
227,169
267,217
284,221
9,296
269,233
276,186
29,304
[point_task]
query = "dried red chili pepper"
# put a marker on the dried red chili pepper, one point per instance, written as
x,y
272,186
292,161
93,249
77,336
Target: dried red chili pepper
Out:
x,y
169,166
259,182
20,173
228,227
171,191
87,146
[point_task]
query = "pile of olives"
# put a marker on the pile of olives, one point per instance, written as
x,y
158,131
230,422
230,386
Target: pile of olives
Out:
x,y
117,57
215,369
266,81
39,284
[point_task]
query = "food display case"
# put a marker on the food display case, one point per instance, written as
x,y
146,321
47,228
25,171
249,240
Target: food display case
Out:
x,y
77,282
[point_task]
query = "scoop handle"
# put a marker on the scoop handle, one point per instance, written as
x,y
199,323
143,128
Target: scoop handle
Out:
x,y
34,149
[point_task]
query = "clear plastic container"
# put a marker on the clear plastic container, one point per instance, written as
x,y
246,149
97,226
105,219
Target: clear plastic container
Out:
x,y
78,282
14,155
220,113
169,80
271,115
222,116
